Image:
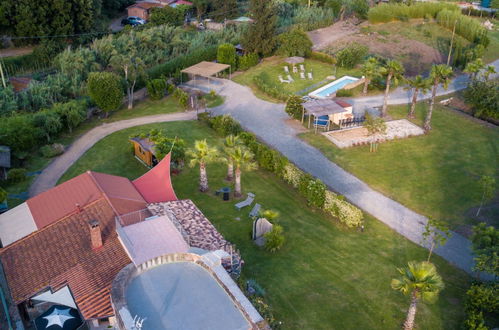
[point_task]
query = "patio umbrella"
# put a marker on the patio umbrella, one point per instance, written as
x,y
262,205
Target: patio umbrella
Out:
x,y
294,60
58,317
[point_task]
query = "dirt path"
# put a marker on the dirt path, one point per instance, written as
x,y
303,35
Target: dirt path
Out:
x,y
53,172
8,52
321,38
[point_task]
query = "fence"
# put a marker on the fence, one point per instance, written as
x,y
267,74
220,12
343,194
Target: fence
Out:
x,y
352,122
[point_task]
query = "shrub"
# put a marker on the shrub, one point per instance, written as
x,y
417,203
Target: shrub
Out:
x,y
316,191
274,239
294,43
259,81
348,214
481,298
182,97
294,106
19,133
485,104
225,125
323,57
344,93
360,8
3,195
313,18
72,113
17,175
105,90
247,61
292,175
52,150
351,55
385,13
226,54
166,15
156,88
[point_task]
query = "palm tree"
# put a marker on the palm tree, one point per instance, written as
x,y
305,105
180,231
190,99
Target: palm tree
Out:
x,y
243,159
440,74
370,69
473,68
392,70
230,143
418,84
202,154
422,282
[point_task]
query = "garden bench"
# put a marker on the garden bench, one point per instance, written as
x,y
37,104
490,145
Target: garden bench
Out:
x,y
254,212
247,202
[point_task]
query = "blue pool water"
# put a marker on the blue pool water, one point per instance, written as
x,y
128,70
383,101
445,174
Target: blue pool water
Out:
x,y
334,87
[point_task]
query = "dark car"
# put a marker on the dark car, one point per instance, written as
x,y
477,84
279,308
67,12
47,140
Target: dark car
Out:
x,y
133,21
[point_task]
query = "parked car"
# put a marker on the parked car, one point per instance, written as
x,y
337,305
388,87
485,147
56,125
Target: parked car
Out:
x,y
133,21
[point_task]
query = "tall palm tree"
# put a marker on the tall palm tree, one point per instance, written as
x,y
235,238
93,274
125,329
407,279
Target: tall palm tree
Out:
x,y
243,160
422,282
202,154
418,84
370,69
393,70
230,143
440,74
473,68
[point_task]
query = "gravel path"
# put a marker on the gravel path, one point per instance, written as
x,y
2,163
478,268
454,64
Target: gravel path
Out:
x,y
53,172
268,122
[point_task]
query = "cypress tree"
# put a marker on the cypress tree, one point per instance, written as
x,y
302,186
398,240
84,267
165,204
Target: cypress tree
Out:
x,y
260,36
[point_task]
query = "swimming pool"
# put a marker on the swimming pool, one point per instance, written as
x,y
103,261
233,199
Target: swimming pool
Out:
x,y
332,87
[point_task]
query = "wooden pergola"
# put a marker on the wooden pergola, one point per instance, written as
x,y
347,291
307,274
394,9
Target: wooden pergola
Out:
x,y
320,107
206,69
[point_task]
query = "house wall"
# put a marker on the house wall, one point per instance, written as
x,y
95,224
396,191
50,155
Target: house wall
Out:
x,y
142,154
335,118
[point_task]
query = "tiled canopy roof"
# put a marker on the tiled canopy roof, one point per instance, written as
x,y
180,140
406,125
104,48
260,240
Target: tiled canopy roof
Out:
x,y
61,254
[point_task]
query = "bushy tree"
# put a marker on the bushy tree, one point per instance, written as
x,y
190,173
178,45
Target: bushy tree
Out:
x,y
105,90
247,61
48,123
294,43
226,54
72,113
156,88
19,133
351,55
166,15
259,37
485,103
163,145
8,101
294,106
485,244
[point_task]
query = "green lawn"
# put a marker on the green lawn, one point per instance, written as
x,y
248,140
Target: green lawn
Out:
x,y
325,277
36,162
274,66
435,174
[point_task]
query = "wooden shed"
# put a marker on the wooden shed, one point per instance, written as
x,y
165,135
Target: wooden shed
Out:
x,y
143,150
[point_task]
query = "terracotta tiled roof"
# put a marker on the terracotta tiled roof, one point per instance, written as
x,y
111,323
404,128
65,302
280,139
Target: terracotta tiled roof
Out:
x,y
342,103
60,254
86,188
146,5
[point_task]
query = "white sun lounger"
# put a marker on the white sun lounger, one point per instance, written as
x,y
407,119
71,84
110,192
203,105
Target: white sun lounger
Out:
x,y
302,68
247,202
310,76
286,69
295,69
290,78
302,75
283,80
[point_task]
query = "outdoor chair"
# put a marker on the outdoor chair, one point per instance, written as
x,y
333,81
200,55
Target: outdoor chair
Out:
x,y
290,78
295,69
255,211
310,76
286,69
283,80
302,68
302,75
247,202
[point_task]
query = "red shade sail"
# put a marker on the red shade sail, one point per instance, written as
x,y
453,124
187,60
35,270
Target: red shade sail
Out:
x,y
156,185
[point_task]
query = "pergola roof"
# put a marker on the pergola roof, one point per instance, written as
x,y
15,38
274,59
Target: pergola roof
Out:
x,y
324,107
206,69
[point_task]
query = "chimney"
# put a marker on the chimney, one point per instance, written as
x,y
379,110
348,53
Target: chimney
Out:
x,y
95,234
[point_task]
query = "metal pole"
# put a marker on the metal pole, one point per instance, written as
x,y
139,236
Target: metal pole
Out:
x,y
451,41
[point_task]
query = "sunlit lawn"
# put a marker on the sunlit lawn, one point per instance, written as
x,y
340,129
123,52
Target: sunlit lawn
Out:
x,y
274,66
435,174
325,277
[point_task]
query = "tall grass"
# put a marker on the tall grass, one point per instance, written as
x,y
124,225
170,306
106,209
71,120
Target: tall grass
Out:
x,y
467,27
399,12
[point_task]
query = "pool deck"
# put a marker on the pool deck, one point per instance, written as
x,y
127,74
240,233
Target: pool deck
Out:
x,y
182,295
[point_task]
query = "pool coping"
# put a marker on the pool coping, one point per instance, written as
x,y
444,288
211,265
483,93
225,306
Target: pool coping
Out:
x,y
320,89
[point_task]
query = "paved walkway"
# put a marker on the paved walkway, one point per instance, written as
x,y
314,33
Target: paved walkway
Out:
x,y
268,122
53,172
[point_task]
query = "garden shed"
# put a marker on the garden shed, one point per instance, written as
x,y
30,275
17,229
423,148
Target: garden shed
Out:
x,y
143,150
4,161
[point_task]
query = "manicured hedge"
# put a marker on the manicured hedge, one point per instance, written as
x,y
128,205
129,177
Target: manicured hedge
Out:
x,y
313,189
323,57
